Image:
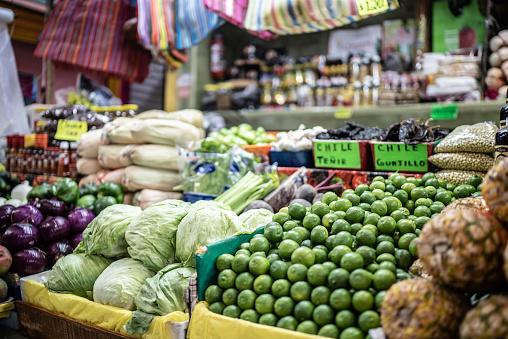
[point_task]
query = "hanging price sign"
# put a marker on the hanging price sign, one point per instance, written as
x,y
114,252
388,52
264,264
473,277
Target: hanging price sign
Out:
x,y
342,113
70,130
367,7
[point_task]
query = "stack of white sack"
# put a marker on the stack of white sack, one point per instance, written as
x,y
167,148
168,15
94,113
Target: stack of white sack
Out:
x,y
88,150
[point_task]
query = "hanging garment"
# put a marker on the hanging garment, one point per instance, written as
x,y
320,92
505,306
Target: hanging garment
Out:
x,y
88,36
234,11
305,16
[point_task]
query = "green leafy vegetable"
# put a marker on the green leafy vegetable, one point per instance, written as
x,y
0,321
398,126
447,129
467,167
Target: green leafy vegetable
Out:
x,y
255,218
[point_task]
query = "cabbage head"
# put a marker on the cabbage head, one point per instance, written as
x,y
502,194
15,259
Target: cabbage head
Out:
x,y
256,218
119,284
151,236
76,274
105,235
163,293
204,226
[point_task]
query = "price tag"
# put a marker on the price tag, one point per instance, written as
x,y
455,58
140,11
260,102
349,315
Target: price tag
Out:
x,y
400,157
337,154
444,112
343,113
30,140
366,7
70,130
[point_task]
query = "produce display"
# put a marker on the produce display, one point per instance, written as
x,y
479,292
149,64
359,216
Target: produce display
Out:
x,y
7,184
243,134
298,140
325,269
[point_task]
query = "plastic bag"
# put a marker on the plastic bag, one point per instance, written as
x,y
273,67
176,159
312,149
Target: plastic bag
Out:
x,y
12,107
241,163
463,161
457,177
477,138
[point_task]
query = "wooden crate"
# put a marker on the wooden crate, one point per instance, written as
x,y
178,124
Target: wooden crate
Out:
x,y
40,323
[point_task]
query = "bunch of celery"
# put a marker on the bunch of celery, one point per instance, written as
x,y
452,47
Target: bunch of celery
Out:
x,y
251,187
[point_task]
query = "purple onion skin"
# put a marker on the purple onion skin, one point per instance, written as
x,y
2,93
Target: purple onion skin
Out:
x,y
79,219
76,239
53,208
5,215
20,236
29,261
28,213
57,250
35,203
54,229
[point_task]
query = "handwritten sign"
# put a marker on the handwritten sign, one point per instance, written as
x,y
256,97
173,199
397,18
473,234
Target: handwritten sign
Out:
x,y
366,7
342,113
444,112
70,130
337,154
400,157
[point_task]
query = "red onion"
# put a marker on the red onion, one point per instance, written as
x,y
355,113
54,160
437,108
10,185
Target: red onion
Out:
x,y
28,213
19,236
57,250
5,214
54,229
79,219
29,261
76,239
53,207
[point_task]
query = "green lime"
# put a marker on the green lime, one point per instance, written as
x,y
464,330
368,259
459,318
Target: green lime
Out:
x,y
372,228
390,189
297,272
351,261
361,188
332,206
329,242
422,202
470,188
300,290
303,310
259,265
320,295
437,207
364,206
383,279
401,195
396,237
264,303
386,257
417,232
259,244
318,235
336,254
353,198
226,279
213,294
343,238
308,327
246,299
355,214
385,247
368,320
273,232
232,311
388,194
311,220
305,233
329,331
422,211
330,265
320,255
328,220
363,300
444,197
250,315
403,258
406,239
355,228
410,205
360,279
386,225
406,226
288,226
384,237
371,218
368,254
399,214
341,225
281,217
317,275
418,193
398,180
286,249
340,214
379,207
258,254
345,319
230,296
297,211
460,192
278,269
420,221
338,278
280,288
372,268
348,191
408,187
328,197
284,306
323,314
442,183
343,205
293,235
306,243
263,284
387,265
379,194
272,257
475,180
431,191
413,248
268,319
217,307
288,323
320,209
365,237
224,262
303,255
245,246
432,183
242,251
240,263
367,198
351,333
427,176
340,299
244,281
377,185
413,180
378,178
392,204
379,299
477,194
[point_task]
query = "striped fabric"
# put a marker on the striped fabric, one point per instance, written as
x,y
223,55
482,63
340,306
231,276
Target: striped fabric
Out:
x,y
234,11
87,35
302,16
193,22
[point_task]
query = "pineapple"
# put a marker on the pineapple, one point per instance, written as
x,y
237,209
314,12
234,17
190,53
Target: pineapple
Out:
x,y
487,320
463,249
495,190
418,270
420,309
474,204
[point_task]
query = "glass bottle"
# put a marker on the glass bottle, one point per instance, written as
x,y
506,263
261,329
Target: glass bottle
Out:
x,y
503,114
63,159
501,147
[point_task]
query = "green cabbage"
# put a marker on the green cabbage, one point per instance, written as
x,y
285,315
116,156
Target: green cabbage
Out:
x,y
163,293
204,226
119,284
151,236
105,235
76,274
256,218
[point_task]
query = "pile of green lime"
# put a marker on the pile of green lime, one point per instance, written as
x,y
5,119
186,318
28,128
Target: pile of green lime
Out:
x,y
325,269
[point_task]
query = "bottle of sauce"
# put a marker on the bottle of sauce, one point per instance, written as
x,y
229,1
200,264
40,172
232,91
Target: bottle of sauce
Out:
x,y
13,160
73,152
21,154
63,159
41,145
502,135
218,58
53,160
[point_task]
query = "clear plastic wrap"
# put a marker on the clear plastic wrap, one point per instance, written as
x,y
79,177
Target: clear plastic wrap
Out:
x,y
477,138
457,177
463,161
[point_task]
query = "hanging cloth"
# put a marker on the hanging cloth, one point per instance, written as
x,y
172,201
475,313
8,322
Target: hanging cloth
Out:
x,y
234,11
88,36
193,22
305,16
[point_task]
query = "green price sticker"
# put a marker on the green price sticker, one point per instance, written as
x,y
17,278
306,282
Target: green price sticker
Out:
x,y
444,112
400,157
70,130
343,113
366,7
337,154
